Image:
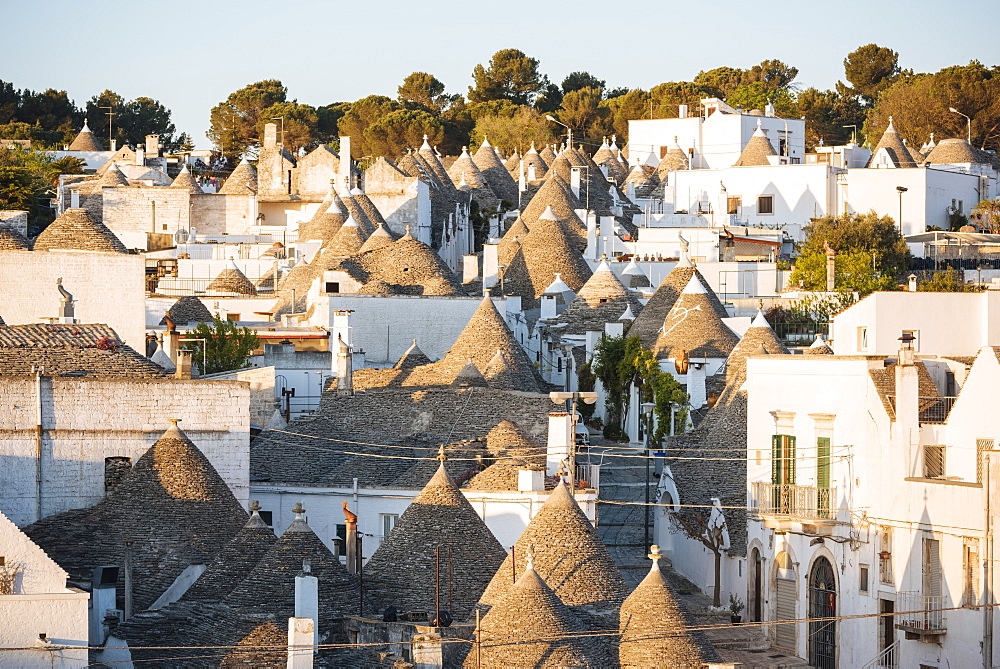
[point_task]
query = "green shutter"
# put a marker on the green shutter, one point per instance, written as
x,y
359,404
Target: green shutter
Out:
x,y
776,458
790,454
823,462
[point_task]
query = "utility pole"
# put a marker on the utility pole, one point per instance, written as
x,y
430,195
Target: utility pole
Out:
x,y
110,113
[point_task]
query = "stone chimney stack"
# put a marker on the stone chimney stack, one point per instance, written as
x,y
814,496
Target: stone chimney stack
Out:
x,y
153,146
345,176
351,538
140,155
470,268
574,180
345,368
270,135
301,632
66,301
183,363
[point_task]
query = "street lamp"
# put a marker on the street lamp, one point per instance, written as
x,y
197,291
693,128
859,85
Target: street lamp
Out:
x,y
569,130
562,398
968,122
647,411
901,190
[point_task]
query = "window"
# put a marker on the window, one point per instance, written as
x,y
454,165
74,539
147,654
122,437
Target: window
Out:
x,y
885,556
982,445
783,459
863,579
934,462
388,522
970,565
916,338
823,476
267,517
862,339
333,286
232,317
733,205
765,204
931,570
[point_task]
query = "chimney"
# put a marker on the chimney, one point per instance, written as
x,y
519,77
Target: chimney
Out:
x,y
682,111
301,635
549,307
345,368
907,395
345,177
342,325
574,180
351,539
66,301
270,135
491,265
183,362
470,268
307,599
153,146
696,374
911,283
614,329
560,441
530,480
114,145
74,199
592,237
140,155
532,174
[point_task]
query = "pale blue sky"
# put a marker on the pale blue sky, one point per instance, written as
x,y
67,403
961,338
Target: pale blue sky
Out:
x,y
191,55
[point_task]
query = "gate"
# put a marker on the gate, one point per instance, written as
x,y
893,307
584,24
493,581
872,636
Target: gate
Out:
x,y
822,604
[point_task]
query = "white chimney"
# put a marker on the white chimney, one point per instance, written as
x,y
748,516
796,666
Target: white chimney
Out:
x,y
491,265
307,599
470,268
140,155
342,326
301,635
549,307
574,180
345,177
114,145
696,385
74,199
682,111
530,480
560,441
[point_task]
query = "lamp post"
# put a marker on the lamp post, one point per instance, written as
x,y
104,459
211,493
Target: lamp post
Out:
x,y
901,190
968,123
647,411
569,130
562,398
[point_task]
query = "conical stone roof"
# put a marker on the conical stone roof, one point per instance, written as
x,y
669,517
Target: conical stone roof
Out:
x,y
694,326
757,150
569,555
470,377
954,151
378,239
412,357
893,143
326,222
495,174
270,586
188,309
507,438
231,280
548,250
759,338
602,299
532,157
348,241
465,168
648,323
530,627
235,561
172,506
242,181
819,347
513,165
401,571
354,210
654,629
547,154
511,241
75,229
85,141
185,180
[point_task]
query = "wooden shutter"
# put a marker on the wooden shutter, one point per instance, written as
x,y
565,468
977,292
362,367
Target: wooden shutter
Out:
x,y
776,458
790,455
932,568
823,462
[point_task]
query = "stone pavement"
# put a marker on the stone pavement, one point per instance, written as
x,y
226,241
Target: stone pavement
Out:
x,y
622,528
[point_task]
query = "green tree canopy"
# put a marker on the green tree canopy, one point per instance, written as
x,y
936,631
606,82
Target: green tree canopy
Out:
x,y
757,94
582,111
871,253
870,69
514,129
510,75
826,113
132,120
297,127
359,117
226,346
390,135
425,91
623,108
27,177
236,123
574,81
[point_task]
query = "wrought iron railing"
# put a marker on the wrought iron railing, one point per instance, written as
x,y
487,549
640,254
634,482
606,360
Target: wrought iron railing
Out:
x,y
799,501
933,410
887,659
920,612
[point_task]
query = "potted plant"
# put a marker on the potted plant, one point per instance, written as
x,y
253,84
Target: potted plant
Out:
x,y
735,609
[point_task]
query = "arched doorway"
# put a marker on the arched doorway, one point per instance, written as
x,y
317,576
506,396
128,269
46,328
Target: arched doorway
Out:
x,y
784,602
822,604
756,586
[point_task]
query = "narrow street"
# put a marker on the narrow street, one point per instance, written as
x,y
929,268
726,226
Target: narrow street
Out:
x,y
621,527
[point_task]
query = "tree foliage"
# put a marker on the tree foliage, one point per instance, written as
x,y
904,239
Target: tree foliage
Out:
x,y
132,120
27,178
425,91
582,111
870,69
871,253
226,346
237,122
510,75
514,129
297,125
574,81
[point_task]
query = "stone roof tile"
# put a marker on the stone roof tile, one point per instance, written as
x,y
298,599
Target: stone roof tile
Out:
x,y
76,230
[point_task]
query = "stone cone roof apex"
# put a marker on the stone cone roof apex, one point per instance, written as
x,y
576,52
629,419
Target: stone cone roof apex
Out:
x,y
603,266
820,342
255,519
548,214
85,128
558,285
357,191
560,498
759,321
628,315
633,269
486,142
694,287
350,222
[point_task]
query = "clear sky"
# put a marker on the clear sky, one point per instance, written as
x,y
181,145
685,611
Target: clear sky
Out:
x,y
191,55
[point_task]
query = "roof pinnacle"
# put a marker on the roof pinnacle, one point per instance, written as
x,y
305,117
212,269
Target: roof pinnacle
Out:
x,y
530,558
441,456
255,505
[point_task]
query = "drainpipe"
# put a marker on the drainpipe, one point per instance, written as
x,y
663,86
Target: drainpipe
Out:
x,y
38,443
988,567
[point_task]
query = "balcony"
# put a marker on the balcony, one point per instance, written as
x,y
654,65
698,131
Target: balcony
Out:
x,y
799,502
921,616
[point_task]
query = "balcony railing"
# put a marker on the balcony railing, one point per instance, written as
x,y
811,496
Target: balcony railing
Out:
x,y
933,410
920,613
797,501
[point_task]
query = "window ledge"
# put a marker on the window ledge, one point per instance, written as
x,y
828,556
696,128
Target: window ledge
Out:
x,y
965,484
